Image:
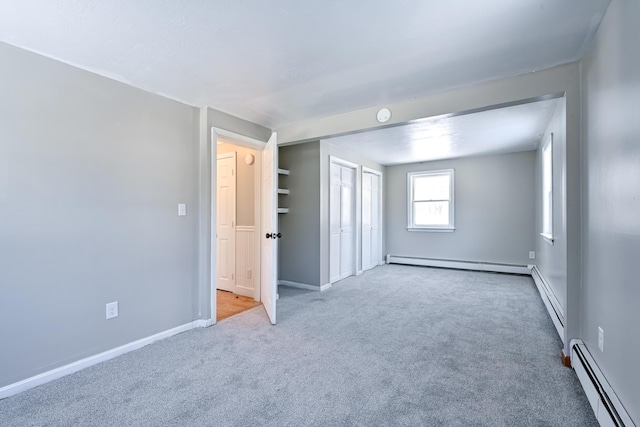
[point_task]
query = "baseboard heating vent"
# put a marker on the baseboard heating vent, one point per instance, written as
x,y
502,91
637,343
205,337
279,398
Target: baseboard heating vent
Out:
x,y
556,312
604,402
460,265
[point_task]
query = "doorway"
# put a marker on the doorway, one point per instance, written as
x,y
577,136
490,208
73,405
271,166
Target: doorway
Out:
x,y
237,225
256,266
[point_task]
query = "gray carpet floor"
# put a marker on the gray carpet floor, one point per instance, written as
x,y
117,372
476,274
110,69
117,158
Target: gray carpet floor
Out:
x,y
398,345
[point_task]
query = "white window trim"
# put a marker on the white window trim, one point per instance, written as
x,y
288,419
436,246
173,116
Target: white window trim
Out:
x,y
547,237
432,228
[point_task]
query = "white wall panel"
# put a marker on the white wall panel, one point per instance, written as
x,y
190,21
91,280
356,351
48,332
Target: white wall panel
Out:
x,y
246,261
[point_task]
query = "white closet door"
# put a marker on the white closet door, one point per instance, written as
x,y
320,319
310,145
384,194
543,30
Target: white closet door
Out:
x,y
370,220
334,222
347,222
366,221
375,220
341,222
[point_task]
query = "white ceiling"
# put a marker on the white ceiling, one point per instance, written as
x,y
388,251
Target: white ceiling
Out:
x,y
276,62
503,130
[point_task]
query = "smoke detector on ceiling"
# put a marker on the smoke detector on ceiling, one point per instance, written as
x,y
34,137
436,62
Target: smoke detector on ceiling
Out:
x,y
384,114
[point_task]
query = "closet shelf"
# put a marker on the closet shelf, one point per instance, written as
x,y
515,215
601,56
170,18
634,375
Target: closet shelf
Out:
x,y
283,191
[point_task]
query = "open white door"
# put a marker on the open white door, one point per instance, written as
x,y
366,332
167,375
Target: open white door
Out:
x,y
269,247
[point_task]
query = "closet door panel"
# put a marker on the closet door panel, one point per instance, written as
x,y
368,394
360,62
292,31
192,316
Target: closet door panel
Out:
x,y
335,192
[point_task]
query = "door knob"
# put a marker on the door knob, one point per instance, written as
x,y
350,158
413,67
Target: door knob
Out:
x,y
269,235
279,235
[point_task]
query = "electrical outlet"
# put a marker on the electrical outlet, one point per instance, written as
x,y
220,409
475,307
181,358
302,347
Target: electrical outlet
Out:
x,y
182,209
532,255
249,274
112,310
600,339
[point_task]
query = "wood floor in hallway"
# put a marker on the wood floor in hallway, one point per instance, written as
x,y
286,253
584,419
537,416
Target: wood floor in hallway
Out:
x,y
230,304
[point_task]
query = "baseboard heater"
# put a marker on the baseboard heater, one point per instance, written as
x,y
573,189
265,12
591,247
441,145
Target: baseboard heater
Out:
x,y
461,265
556,312
605,404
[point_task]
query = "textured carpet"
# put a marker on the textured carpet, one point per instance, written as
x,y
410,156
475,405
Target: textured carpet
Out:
x,y
397,345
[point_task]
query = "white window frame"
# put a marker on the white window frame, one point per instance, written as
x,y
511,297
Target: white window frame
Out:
x,y
410,201
547,189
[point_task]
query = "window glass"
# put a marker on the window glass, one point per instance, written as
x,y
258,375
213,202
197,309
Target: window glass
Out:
x,y
430,204
547,189
434,187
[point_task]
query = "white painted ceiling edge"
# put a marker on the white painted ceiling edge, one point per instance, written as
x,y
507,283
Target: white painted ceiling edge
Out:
x,y
276,63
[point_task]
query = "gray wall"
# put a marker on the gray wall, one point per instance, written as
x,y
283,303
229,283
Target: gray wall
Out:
x,y
92,172
552,258
611,200
299,251
245,184
494,211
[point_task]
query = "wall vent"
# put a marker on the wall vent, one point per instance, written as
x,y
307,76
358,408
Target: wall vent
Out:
x,y
459,264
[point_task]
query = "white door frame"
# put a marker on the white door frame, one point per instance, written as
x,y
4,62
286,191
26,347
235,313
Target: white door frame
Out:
x,y
379,174
243,141
356,215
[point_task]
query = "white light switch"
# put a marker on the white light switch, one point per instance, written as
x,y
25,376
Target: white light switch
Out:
x,y
182,209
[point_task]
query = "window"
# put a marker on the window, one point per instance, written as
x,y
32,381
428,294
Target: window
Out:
x,y
547,189
430,200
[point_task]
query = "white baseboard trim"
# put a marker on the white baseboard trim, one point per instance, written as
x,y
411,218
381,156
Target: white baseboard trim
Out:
x,y
556,312
605,404
54,374
202,323
325,287
300,285
461,265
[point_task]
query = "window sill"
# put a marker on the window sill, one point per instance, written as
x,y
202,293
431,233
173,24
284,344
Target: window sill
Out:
x,y
433,229
547,238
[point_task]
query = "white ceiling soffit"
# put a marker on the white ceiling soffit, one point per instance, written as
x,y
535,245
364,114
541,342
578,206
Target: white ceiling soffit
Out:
x,y
503,130
279,62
